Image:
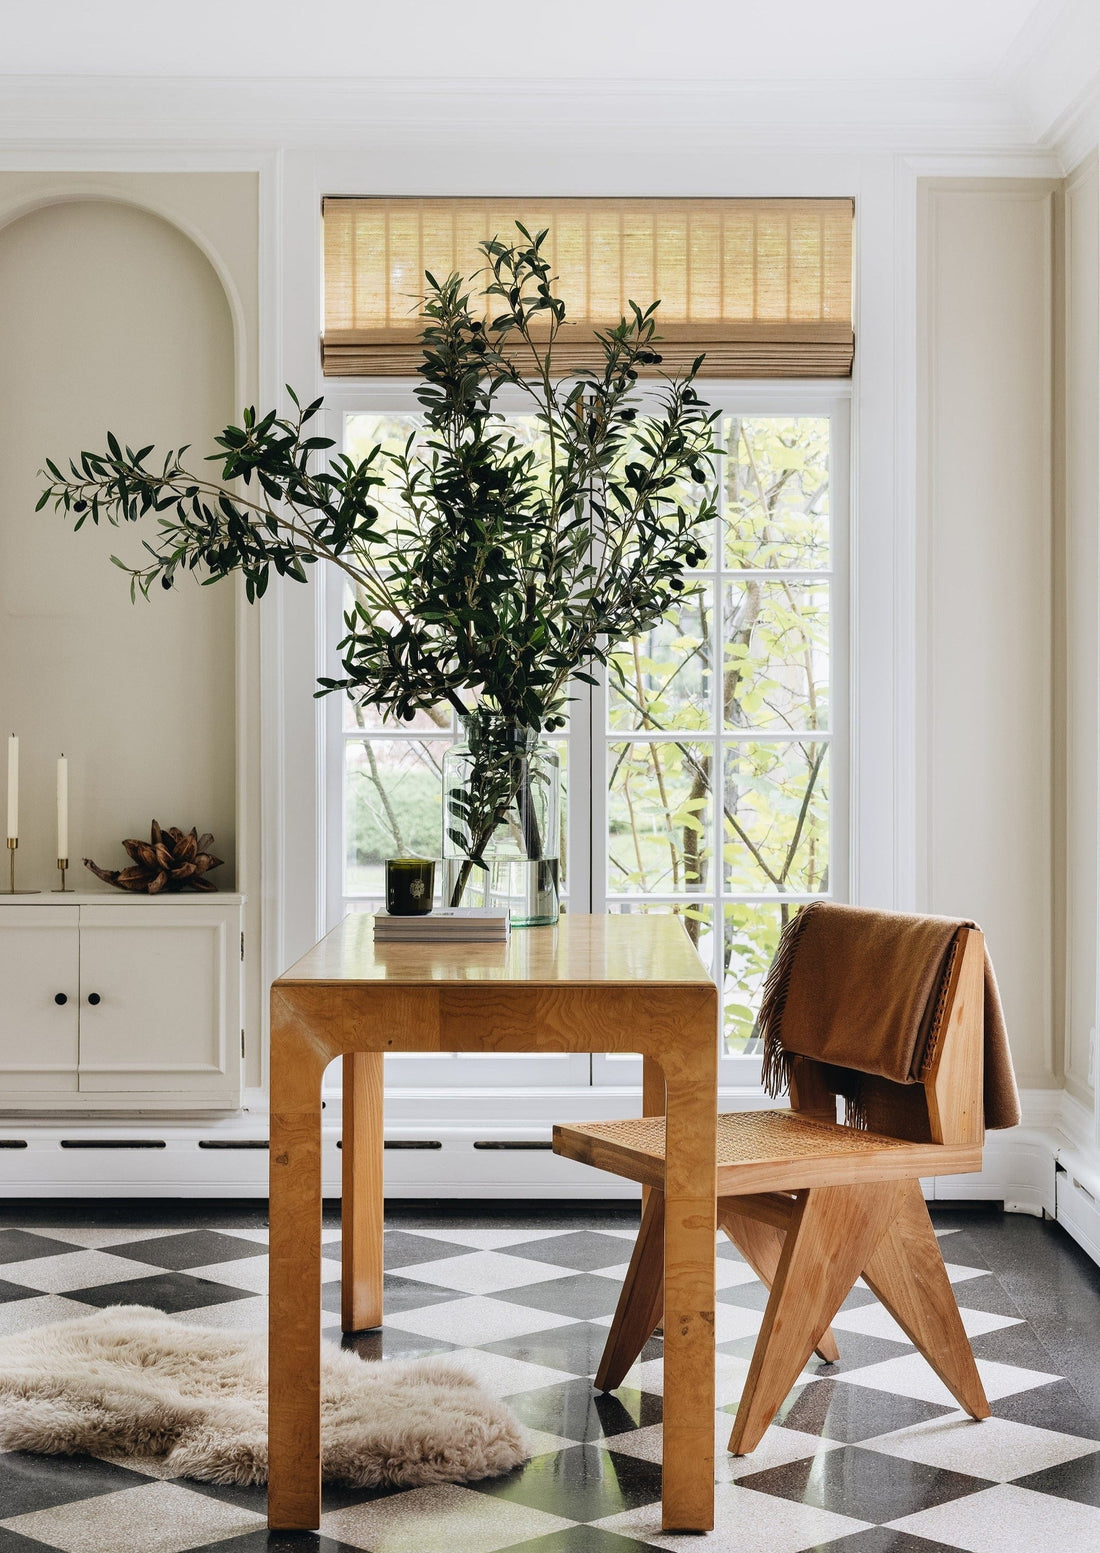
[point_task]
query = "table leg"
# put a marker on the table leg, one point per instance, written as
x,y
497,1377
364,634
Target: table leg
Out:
x,y
361,1210
688,1469
294,1317
653,1098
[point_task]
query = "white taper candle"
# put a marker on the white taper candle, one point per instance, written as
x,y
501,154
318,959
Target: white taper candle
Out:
x,y
62,807
13,786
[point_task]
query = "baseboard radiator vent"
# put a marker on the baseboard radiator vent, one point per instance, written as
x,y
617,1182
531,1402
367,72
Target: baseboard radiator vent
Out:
x,y
512,1143
113,1143
233,1143
404,1143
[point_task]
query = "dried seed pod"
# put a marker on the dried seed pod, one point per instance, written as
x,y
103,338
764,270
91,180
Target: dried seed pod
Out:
x,y
170,860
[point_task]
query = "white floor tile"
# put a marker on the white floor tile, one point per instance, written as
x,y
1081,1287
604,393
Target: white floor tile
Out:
x,y
111,1235
730,1373
491,1239
236,1315
476,1320
959,1274
245,1272
483,1272
160,1518
505,1376
778,1447
876,1321
728,1275
18,1315
1007,1519
996,1448
75,1270
731,1322
426,1520
912,1376
744,1522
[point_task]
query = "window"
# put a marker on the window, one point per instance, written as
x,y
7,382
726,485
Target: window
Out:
x,y
706,775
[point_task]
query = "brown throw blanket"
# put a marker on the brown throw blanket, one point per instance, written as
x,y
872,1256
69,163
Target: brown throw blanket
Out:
x,y
863,991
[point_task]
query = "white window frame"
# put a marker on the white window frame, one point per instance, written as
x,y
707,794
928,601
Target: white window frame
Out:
x,y
590,736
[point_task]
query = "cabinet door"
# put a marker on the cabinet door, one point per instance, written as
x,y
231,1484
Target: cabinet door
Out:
x,y
159,999
39,962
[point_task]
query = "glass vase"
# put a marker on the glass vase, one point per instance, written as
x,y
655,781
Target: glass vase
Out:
x,y
501,820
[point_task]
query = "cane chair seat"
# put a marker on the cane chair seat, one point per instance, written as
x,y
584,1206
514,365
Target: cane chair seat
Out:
x,y
764,1151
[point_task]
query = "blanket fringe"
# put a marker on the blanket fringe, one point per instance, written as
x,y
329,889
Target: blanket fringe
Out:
x,y
777,1063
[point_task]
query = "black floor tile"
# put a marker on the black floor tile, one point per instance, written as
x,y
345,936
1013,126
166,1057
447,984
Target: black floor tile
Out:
x,y
864,1484
754,1296
31,1482
584,1250
397,1294
883,1539
574,1410
13,1542
576,1348
581,1539
16,1291
401,1249
583,1295
164,1291
844,1410
388,1343
856,1351
273,1542
1016,1345
984,1293
20,1245
584,1483
1078,1480
246,1496
1055,1406
1054,1284
193,1248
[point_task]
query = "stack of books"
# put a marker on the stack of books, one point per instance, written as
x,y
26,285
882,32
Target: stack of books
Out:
x,y
446,925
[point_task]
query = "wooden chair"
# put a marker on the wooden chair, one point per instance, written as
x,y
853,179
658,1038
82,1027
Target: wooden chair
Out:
x,y
812,1204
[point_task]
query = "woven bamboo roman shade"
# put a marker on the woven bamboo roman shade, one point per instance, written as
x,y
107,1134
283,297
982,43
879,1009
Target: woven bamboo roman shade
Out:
x,y
764,287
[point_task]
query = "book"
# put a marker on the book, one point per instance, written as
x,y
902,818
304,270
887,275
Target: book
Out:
x,y
449,923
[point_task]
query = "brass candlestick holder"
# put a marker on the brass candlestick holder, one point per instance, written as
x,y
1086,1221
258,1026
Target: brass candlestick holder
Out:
x,y
13,843
63,888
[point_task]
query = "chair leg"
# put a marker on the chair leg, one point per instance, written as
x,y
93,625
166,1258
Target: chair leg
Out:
x,y
641,1301
832,1234
907,1274
762,1245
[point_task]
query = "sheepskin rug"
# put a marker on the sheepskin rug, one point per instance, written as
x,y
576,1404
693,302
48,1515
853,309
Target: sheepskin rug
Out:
x,y
131,1381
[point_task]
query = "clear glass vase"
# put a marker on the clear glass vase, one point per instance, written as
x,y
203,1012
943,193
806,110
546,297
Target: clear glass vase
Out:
x,y
501,820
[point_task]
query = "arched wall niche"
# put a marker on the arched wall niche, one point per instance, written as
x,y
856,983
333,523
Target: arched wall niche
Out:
x,y
112,317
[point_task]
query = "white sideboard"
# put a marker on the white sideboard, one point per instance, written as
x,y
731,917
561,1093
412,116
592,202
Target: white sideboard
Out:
x,y
111,1001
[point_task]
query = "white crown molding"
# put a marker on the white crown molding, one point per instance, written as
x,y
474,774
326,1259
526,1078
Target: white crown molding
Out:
x,y
1052,73
50,114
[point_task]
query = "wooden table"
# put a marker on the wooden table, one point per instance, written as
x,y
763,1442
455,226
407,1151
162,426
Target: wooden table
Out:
x,y
604,984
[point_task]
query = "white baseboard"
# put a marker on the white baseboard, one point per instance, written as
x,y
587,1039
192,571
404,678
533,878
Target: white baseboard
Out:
x,y
477,1144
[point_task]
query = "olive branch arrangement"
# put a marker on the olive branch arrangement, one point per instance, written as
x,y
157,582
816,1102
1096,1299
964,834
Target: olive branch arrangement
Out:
x,y
485,573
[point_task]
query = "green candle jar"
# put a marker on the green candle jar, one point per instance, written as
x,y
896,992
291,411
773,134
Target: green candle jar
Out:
x,y
410,886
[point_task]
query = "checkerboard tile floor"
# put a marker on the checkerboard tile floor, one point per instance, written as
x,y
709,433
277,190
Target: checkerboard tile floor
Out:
x,y
867,1456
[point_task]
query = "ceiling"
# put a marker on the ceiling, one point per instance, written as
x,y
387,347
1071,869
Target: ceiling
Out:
x,y
719,40
996,76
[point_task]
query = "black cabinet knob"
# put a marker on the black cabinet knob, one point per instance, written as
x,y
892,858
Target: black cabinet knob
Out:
x,y
60,998
93,998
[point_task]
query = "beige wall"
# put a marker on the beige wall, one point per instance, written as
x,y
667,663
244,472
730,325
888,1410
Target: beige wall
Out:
x,y
985,650
129,302
1078,593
